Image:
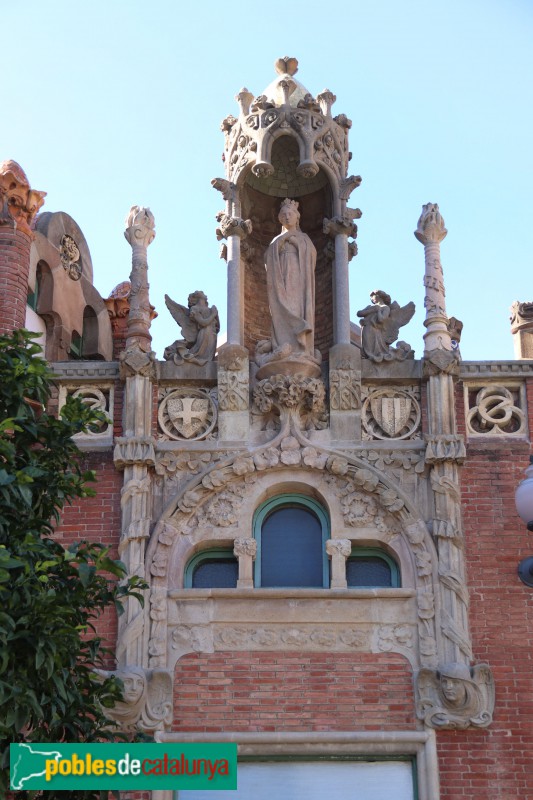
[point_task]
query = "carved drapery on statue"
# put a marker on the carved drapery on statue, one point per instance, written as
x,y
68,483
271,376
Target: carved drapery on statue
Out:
x,y
199,325
381,322
290,265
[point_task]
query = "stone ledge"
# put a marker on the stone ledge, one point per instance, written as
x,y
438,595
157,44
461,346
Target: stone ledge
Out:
x,y
85,371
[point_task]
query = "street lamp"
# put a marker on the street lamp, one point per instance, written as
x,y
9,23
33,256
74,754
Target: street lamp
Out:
x,y
524,507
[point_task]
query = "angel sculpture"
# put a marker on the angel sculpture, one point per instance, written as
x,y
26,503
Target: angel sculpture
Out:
x,y
456,696
381,322
147,703
199,325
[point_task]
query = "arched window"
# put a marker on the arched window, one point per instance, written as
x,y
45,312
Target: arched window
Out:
x,y
371,568
291,533
216,568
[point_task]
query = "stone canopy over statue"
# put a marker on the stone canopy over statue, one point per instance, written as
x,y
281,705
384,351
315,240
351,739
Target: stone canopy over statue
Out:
x,y
290,262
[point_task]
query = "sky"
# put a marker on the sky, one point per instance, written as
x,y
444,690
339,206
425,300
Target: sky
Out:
x,y
111,104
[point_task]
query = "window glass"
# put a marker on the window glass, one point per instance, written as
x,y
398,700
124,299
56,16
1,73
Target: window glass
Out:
x,y
371,569
212,569
291,532
291,548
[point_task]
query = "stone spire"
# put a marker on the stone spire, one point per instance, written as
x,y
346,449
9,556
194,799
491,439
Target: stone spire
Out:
x,y
140,232
430,232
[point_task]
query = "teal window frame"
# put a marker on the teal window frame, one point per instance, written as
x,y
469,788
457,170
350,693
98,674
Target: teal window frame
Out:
x,y
376,552
268,507
213,553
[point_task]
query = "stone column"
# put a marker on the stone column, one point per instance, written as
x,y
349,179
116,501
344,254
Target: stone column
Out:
x,y
338,550
18,206
340,228
245,550
234,229
445,448
344,358
134,452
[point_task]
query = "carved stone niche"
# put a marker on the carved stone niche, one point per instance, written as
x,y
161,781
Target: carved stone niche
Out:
x,y
495,409
456,696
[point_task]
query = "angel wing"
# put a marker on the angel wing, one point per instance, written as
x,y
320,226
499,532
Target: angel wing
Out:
x,y
484,680
189,329
398,317
427,684
158,710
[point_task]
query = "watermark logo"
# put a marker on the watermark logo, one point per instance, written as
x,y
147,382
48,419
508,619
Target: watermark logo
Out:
x,y
123,766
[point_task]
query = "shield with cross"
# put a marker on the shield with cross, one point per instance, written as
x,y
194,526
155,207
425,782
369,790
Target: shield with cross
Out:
x,y
188,414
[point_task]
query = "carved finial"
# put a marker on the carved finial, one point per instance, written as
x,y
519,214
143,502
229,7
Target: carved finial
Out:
x,y
18,202
430,226
140,225
286,66
244,99
326,100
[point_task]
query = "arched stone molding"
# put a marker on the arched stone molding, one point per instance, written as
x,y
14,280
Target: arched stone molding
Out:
x,y
264,473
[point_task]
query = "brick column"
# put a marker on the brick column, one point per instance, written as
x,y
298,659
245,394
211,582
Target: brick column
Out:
x,y
18,206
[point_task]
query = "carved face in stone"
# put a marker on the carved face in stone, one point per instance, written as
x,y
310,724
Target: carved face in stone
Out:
x,y
133,687
289,216
453,691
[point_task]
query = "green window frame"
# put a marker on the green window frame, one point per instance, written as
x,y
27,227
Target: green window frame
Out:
x,y
291,500
212,554
375,552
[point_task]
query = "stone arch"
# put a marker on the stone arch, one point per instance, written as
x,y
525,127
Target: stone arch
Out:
x,y
264,469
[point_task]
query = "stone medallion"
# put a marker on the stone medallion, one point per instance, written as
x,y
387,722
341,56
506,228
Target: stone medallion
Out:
x,y
187,414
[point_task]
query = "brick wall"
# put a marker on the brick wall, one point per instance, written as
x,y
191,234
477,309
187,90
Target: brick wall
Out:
x,y
14,269
496,762
292,692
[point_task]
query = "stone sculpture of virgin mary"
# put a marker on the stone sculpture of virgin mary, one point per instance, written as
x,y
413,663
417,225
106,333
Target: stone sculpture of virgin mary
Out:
x,y
290,262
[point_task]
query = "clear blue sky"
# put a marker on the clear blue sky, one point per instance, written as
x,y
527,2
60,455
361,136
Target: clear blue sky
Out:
x,y
107,104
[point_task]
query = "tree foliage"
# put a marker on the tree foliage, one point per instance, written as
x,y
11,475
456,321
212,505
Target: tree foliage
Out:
x,y
49,597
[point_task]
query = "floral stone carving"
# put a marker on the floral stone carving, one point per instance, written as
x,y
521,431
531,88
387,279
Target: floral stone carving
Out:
x,y
456,696
199,327
147,701
187,413
292,394
381,322
70,257
391,414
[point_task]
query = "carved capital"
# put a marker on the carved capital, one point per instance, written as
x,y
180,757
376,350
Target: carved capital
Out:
x,y
136,361
140,224
226,188
430,226
138,450
440,361
340,225
347,185
341,547
232,226
445,447
18,202
245,547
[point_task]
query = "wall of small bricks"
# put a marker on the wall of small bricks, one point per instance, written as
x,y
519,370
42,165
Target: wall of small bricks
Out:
x,y
14,269
295,691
